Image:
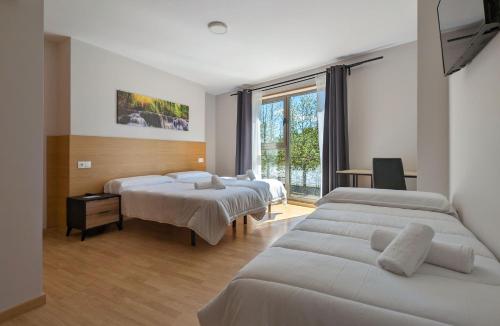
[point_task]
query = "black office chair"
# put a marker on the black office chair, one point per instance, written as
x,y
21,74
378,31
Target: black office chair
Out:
x,y
388,173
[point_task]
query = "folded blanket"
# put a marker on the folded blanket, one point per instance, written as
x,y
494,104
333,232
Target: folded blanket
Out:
x,y
456,257
408,250
215,183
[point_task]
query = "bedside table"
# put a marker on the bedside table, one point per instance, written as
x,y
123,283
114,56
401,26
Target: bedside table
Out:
x,y
87,212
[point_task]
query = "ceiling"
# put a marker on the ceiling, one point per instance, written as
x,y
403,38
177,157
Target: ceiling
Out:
x,y
266,39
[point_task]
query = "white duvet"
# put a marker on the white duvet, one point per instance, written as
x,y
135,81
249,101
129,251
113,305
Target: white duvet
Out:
x,y
275,188
323,272
207,212
270,190
263,189
277,191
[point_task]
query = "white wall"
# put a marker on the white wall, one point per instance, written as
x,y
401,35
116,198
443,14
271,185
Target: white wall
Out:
x,y
382,99
433,108
475,144
225,137
210,132
21,166
51,86
96,75
56,86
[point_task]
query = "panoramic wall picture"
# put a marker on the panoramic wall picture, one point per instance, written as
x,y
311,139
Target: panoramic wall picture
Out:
x,y
143,111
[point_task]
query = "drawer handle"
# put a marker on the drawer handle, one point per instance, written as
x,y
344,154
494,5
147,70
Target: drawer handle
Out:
x,y
105,212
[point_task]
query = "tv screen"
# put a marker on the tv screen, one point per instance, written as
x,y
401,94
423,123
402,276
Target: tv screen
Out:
x,y
466,26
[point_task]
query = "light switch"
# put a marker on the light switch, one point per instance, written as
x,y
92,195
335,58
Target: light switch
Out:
x,y
201,160
84,164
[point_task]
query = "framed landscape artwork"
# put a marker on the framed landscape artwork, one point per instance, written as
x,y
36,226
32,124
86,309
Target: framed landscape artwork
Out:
x,y
143,111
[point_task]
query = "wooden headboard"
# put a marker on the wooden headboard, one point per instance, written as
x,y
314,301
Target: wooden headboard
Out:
x,y
111,158
124,157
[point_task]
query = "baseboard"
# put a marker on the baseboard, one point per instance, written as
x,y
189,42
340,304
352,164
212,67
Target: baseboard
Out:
x,y
301,203
22,308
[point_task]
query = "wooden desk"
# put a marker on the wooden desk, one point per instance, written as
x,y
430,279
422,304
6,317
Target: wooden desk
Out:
x,y
357,172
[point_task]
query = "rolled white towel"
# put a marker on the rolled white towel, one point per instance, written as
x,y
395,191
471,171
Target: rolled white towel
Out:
x,y
451,256
217,182
242,177
408,250
203,185
251,175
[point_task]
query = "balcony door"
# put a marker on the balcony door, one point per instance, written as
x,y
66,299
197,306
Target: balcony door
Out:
x,y
289,143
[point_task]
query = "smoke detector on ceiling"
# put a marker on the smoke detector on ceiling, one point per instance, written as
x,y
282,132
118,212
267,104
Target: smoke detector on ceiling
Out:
x,y
217,27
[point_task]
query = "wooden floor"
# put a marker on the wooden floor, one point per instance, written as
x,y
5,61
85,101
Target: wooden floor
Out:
x,y
147,274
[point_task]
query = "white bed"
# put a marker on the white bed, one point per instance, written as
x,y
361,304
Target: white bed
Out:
x,y
323,272
271,190
206,212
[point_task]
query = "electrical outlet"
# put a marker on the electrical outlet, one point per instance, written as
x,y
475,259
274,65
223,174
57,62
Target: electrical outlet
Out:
x,y
201,160
84,164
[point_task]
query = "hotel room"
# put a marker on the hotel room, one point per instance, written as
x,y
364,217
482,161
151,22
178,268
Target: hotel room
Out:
x,y
242,163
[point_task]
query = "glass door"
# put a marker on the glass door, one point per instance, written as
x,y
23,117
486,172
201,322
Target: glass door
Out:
x,y
289,144
273,140
303,147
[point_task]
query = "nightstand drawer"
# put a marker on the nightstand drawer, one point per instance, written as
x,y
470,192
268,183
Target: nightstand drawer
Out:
x,y
101,207
104,217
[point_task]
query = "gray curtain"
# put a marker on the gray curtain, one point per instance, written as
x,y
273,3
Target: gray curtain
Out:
x,y
335,133
244,132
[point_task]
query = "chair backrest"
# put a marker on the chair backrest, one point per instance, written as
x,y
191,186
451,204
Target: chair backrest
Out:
x,y
388,173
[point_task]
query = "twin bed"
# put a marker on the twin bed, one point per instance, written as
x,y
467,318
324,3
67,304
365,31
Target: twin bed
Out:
x,y
173,199
323,272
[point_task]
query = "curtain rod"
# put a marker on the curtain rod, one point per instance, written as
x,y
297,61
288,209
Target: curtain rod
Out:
x,y
308,77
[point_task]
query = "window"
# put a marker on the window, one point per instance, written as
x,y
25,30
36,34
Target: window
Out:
x,y
289,143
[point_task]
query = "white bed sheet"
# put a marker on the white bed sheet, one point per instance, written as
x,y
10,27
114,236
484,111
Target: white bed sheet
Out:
x,y
207,212
271,190
323,272
277,188
277,191
262,188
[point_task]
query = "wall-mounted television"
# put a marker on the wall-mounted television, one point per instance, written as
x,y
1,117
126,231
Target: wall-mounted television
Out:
x,y
466,27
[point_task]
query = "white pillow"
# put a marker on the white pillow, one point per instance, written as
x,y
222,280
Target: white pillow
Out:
x,y
189,175
116,186
419,200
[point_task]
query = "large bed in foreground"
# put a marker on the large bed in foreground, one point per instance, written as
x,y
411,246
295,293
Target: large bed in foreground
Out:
x,y
323,272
